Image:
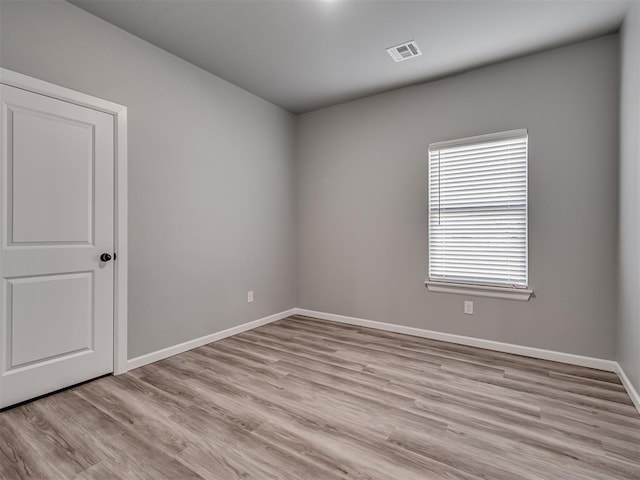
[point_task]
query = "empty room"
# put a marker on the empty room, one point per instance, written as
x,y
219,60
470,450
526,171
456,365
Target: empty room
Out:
x,y
320,239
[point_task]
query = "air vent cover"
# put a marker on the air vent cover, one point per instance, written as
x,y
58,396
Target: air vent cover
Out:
x,y
404,51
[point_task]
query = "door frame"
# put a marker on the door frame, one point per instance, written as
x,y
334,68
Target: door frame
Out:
x,y
119,113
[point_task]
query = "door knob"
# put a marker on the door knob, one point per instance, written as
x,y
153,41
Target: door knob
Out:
x,y
105,257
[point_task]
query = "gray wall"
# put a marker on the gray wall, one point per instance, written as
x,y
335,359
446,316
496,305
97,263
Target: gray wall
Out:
x,y
362,218
211,193
629,276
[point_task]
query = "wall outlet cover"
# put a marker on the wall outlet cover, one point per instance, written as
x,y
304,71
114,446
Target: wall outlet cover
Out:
x,y
468,307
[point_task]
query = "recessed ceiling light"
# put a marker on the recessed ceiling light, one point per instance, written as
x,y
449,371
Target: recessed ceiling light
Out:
x,y
404,51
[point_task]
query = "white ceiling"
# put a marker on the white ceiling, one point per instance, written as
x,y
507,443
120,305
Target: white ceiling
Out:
x,y
307,54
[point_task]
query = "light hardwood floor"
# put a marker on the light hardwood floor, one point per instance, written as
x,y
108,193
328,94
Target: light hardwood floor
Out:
x,y
306,399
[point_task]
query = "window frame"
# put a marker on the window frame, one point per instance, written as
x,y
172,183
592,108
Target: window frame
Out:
x,y
495,291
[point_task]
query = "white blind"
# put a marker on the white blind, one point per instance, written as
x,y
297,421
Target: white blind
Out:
x,y
478,210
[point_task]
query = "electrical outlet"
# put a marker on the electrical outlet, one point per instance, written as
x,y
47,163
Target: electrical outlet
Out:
x,y
250,296
468,307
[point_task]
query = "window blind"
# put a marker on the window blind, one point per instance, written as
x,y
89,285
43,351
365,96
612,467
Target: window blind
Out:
x,y
478,210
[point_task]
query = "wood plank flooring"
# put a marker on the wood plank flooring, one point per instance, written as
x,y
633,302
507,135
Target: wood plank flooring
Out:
x,y
306,399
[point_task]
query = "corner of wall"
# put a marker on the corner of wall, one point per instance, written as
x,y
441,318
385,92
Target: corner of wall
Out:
x,y
628,324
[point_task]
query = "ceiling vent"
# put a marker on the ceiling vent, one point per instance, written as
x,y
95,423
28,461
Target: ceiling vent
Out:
x,y
404,51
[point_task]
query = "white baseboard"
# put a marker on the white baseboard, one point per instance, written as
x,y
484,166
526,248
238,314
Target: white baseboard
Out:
x,y
198,342
633,393
571,359
568,358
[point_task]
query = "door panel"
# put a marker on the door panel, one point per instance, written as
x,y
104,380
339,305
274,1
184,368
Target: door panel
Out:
x,y
56,320
50,201
66,304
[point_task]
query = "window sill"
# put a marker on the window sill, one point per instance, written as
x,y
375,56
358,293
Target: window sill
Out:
x,y
520,294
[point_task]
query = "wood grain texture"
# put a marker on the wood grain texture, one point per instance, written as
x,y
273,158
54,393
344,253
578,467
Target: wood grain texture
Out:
x,y
307,399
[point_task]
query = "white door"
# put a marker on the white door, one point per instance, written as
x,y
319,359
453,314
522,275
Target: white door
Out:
x,y
57,207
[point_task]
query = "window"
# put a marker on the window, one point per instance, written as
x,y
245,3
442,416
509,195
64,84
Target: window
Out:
x,y
478,215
